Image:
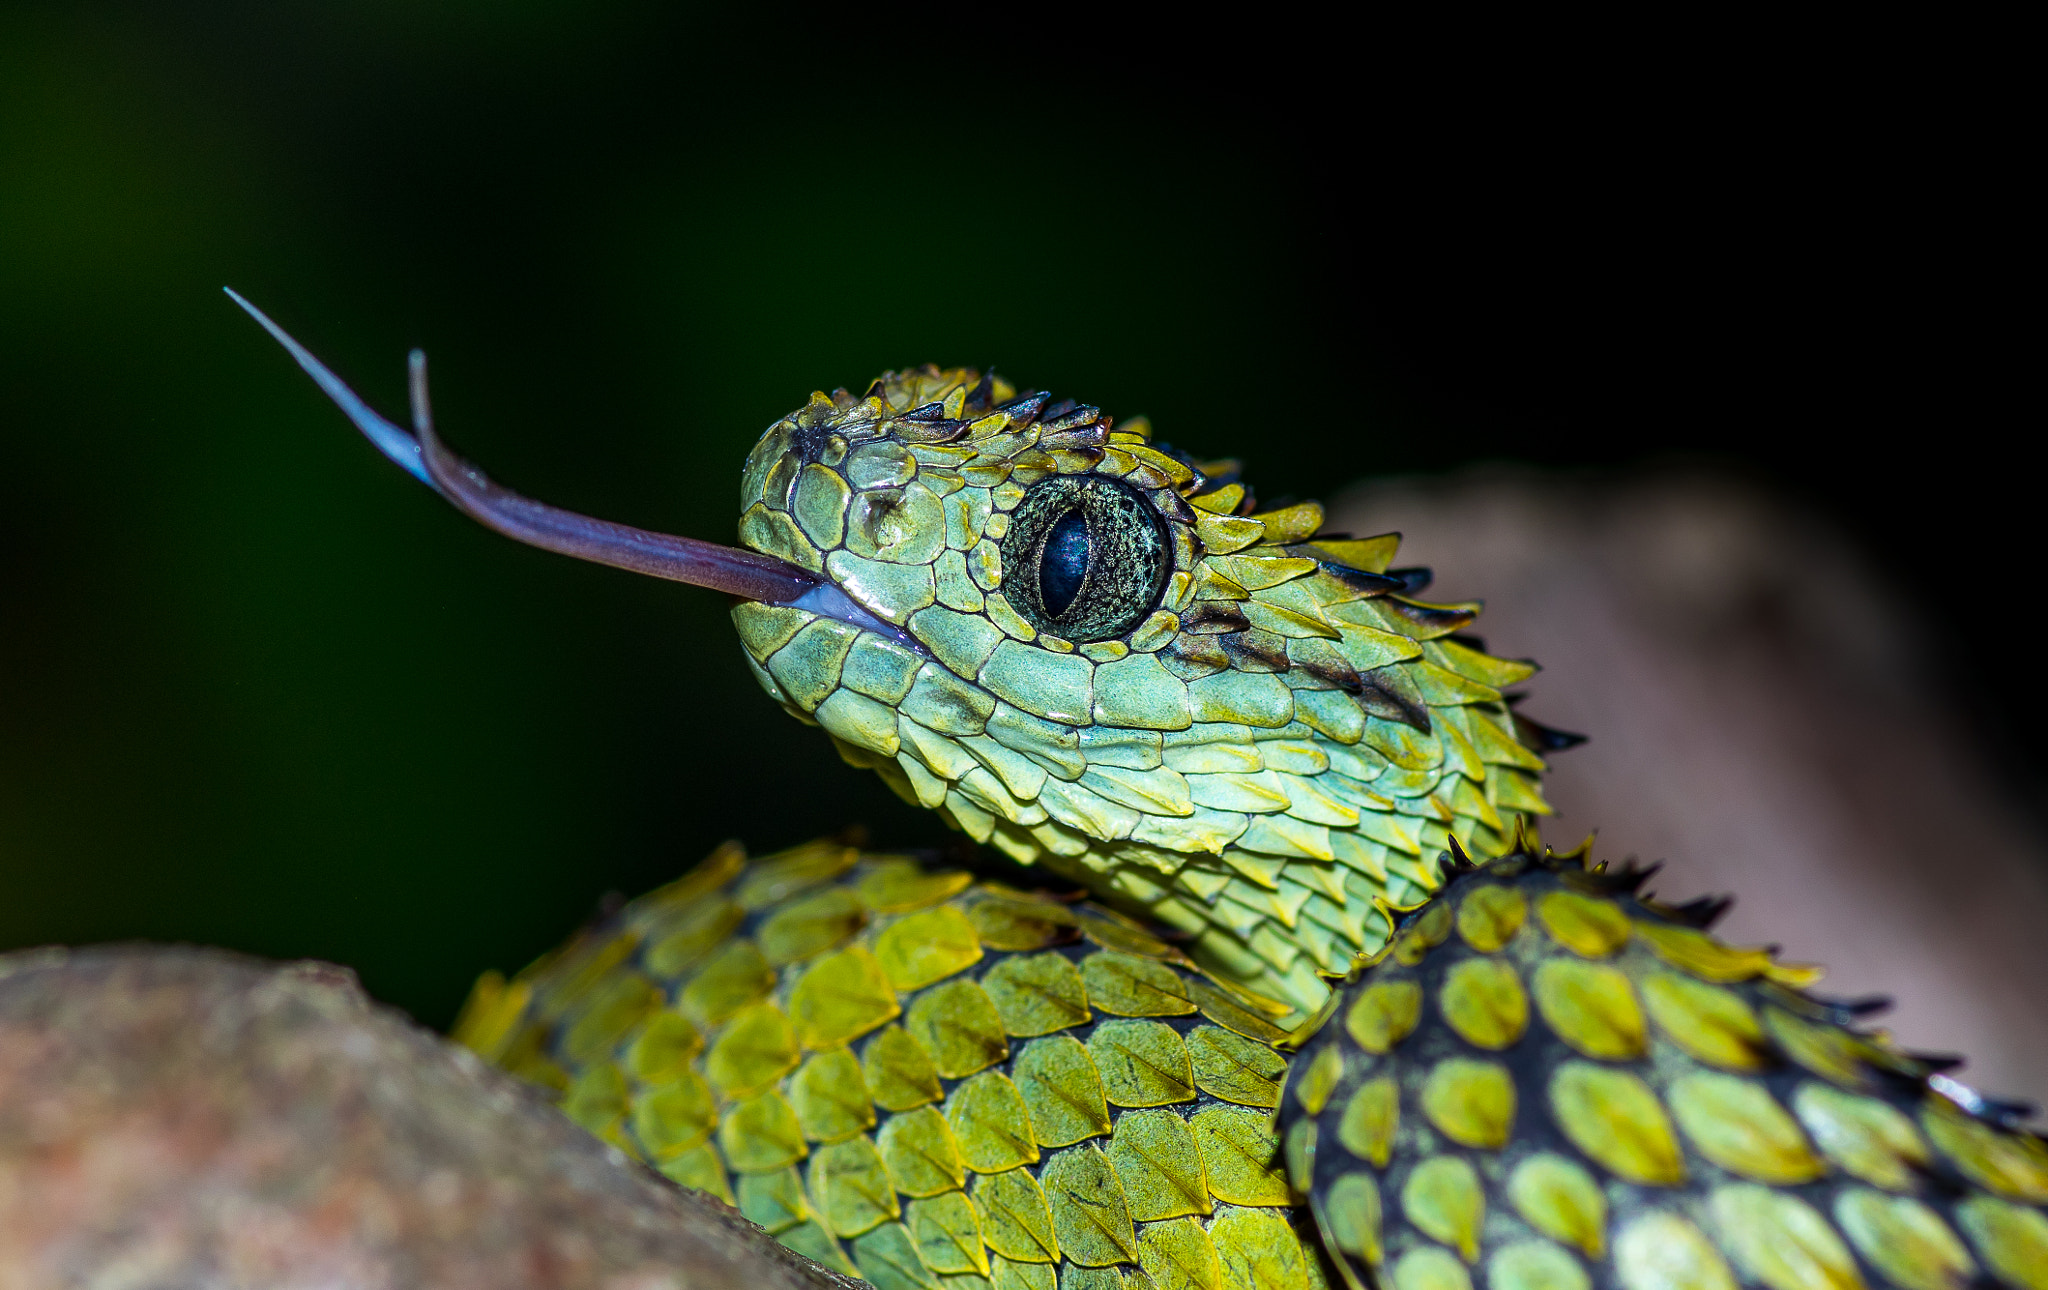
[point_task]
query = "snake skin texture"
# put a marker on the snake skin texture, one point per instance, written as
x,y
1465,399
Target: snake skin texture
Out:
x,y
1552,1082
920,1079
1264,762
1279,748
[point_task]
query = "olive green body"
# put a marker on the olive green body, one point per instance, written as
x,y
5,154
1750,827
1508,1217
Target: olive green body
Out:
x,y
1545,1082
1253,753
918,1078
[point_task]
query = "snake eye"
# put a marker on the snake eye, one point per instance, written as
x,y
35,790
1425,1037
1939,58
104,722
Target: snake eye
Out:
x,y
1085,558
1063,563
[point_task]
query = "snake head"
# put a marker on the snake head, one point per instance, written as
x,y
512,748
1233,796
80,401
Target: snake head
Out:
x,y
1097,655
1093,653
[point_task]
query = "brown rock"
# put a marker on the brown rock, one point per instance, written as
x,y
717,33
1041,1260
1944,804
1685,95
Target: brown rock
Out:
x,y
187,1117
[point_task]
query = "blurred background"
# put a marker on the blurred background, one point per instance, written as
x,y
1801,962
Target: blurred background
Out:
x,y
1701,363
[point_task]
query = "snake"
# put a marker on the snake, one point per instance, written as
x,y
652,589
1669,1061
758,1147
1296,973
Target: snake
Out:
x,y
1252,971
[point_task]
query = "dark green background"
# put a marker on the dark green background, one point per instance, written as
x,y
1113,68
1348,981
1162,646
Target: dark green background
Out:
x,y
259,689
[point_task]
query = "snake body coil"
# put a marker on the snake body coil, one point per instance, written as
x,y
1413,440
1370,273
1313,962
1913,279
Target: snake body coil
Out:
x,y
1292,1037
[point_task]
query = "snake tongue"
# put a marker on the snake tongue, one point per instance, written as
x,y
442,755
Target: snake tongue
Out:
x,y
747,574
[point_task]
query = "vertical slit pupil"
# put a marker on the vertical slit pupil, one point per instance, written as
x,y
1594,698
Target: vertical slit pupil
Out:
x,y
1064,564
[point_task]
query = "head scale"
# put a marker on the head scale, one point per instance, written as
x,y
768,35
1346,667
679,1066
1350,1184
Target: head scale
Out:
x,y
1093,654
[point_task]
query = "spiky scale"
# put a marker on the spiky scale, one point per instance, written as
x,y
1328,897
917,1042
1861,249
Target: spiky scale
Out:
x,y
948,1234
1559,1198
2012,1239
958,1025
1143,1063
1383,1013
1592,1007
1062,1085
911,1124
1473,1103
1443,1199
1904,1240
1490,916
1535,1265
1662,1251
1710,1023
1686,1118
1430,1267
774,1200
2007,1164
1862,1136
992,1123
1738,1125
830,1096
852,1187
1484,1002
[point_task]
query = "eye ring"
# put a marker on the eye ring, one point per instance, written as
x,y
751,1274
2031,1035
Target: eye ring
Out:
x,y
1085,559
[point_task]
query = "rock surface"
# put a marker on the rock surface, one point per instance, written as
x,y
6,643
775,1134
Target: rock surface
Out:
x,y
186,1117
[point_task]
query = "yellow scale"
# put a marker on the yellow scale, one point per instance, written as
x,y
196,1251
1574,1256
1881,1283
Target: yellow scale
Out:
x,y
933,1076
1265,762
1552,1081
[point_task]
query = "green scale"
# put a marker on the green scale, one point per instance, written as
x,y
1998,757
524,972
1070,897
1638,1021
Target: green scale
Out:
x,y
1232,1006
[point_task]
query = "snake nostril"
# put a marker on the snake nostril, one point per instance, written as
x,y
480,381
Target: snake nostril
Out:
x,y
1064,565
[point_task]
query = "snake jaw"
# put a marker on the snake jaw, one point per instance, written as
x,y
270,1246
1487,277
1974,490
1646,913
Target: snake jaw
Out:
x,y
827,600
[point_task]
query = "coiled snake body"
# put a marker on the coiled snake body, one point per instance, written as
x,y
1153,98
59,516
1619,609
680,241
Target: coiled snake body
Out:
x,y
1289,994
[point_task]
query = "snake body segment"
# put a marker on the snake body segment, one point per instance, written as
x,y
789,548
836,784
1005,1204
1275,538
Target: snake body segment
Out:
x,y
1293,1039
920,1079
1546,1080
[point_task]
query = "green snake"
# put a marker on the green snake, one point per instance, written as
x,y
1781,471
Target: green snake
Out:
x,y
1267,983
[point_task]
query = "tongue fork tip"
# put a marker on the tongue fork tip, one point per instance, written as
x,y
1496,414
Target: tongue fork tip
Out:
x,y
736,571
387,438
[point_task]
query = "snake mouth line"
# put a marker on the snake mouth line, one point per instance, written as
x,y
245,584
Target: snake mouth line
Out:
x,y
749,575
